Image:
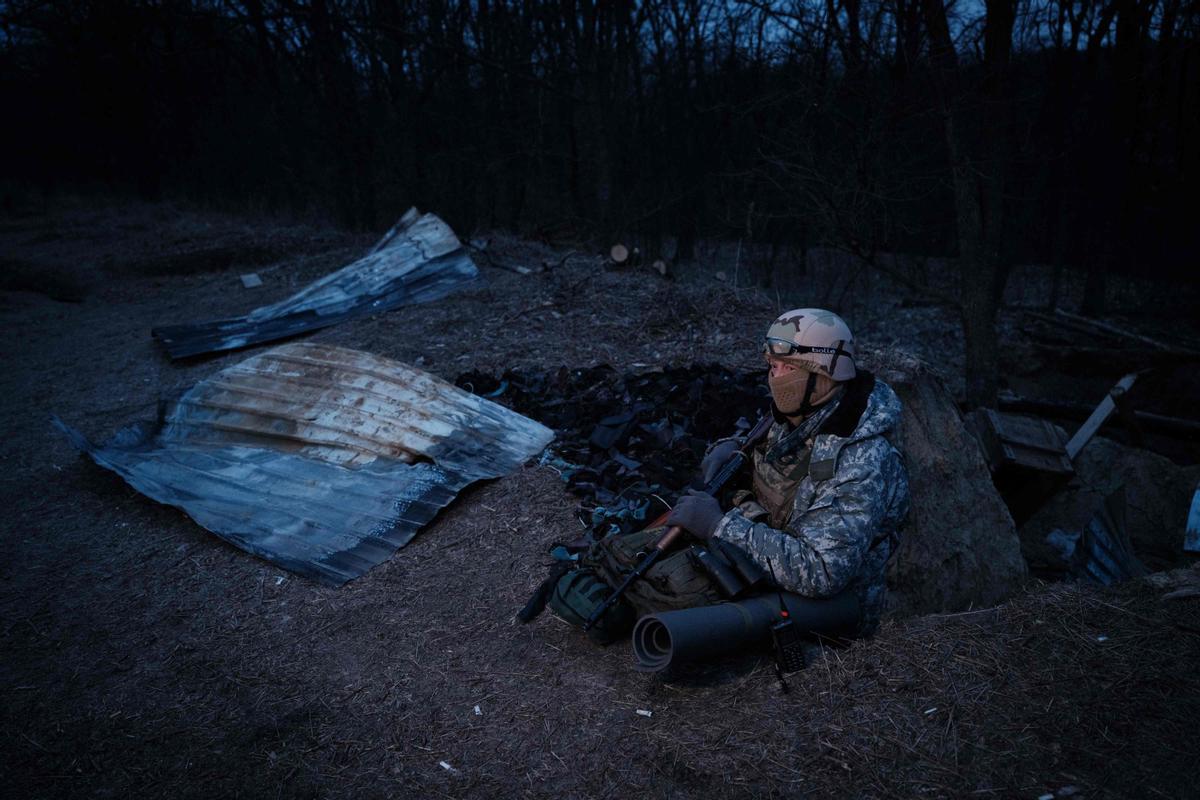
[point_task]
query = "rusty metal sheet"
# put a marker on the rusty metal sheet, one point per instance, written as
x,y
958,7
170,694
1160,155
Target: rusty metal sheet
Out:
x,y
320,459
418,260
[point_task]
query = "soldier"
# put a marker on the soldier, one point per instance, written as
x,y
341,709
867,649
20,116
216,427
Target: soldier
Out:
x,y
830,491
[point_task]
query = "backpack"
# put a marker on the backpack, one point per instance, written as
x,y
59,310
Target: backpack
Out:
x,y
672,583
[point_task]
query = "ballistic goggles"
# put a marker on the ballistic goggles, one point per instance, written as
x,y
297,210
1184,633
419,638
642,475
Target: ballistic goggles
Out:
x,y
781,348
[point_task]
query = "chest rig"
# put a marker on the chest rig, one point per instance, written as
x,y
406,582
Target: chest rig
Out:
x,y
776,482
792,454
786,459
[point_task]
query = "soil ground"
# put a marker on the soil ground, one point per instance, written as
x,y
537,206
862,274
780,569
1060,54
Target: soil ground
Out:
x,y
141,656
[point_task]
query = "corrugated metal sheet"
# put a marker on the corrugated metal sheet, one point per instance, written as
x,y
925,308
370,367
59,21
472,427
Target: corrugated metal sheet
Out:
x,y
1191,533
320,459
418,260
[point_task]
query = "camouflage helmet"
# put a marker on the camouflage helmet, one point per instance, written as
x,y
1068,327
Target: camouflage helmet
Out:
x,y
815,339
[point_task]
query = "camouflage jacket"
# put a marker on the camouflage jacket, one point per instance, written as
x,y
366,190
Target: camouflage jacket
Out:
x,y
850,498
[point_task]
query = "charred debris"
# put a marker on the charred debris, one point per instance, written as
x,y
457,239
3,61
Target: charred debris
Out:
x,y
628,444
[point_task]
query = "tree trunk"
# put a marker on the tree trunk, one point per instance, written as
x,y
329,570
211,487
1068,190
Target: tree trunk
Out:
x,y
977,167
977,274
1095,291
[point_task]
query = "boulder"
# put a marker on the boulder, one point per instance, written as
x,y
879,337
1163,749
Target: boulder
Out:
x,y
960,547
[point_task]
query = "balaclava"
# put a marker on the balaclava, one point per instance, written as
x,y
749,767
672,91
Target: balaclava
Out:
x,y
799,392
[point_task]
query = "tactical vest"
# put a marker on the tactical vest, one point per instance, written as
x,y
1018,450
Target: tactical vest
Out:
x,y
776,479
775,484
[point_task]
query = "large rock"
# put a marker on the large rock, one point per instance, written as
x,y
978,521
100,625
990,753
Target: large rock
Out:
x,y
960,547
1158,494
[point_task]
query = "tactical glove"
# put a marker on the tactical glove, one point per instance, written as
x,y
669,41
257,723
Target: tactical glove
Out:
x,y
697,511
718,455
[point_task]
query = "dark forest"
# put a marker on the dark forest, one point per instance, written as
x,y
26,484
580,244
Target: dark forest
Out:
x,y
1034,131
1001,132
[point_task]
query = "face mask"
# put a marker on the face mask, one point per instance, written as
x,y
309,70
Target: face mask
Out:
x,y
800,391
791,389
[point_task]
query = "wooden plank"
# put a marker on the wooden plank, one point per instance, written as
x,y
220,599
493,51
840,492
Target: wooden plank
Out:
x,y
1026,431
1039,460
1092,424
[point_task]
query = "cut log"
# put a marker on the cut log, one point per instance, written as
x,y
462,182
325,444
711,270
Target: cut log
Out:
x,y
619,254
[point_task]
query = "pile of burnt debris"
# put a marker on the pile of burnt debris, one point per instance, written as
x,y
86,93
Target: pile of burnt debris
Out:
x,y
628,445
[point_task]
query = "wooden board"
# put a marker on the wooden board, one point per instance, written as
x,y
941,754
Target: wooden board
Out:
x,y
1013,441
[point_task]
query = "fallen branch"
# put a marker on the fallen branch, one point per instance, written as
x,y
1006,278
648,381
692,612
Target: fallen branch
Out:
x,y
933,293
1158,423
560,263
543,305
511,266
481,246
1113,330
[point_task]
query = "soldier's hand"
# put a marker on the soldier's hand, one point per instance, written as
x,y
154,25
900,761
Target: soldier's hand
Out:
x,y
717,456
698,512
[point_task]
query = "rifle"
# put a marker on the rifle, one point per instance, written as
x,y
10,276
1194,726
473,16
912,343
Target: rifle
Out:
x,y
714,486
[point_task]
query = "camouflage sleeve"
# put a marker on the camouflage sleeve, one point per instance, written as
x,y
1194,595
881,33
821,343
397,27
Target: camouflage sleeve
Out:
x,y
823,547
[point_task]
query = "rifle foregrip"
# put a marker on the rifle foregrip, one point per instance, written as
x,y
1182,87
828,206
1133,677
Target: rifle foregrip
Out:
x,y
727,471
668,538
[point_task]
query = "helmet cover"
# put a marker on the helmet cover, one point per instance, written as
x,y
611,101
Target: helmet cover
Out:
x,y
813,339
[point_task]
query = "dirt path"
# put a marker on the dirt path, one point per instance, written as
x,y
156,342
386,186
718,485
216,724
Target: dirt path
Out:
x,y
144,657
